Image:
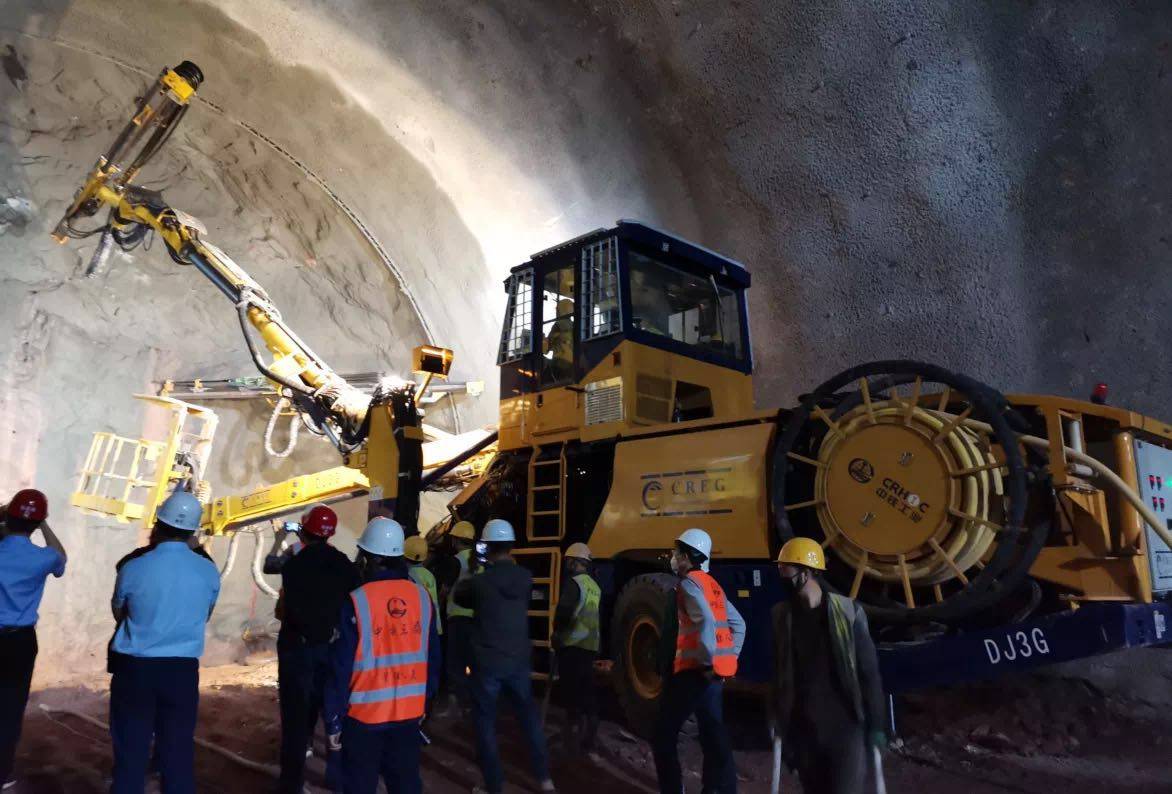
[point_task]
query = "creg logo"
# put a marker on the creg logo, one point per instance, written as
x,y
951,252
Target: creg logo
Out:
x,y
653,496
861,470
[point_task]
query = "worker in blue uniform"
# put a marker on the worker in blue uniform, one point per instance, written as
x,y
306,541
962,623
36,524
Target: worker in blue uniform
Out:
x,y
24,567
385,665
162,602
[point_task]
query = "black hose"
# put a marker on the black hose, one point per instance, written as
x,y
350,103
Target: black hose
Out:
x,y
1017,545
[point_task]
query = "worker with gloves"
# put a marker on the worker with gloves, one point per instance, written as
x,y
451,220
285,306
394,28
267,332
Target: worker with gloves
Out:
x,y
576,639
826,697
459,622
24,568
314,585
384,667
708,635
162,602
499,595
415,550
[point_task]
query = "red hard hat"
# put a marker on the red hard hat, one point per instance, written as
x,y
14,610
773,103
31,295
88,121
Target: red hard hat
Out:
x,y
321,522
30,505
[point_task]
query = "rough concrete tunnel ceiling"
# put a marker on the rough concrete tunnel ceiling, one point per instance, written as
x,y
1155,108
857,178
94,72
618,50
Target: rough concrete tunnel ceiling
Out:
x,y
984,189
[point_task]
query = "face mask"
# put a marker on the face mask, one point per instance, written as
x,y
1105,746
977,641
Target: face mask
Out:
x,y
677,565
791,585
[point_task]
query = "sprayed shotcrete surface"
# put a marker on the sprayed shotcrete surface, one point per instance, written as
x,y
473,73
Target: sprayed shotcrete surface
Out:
x,y
983,188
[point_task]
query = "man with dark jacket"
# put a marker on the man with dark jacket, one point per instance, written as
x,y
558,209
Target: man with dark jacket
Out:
x,y
314,584
826,697
499,595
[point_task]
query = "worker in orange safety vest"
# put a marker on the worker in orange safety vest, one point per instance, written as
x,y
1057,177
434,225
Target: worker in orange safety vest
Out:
x,y
708,640
385,667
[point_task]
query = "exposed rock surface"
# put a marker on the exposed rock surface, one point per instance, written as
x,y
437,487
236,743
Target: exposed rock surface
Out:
x,y
985,188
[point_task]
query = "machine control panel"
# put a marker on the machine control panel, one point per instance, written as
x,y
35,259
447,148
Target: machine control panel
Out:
x,y
1154,467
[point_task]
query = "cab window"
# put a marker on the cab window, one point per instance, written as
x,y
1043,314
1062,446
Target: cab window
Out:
x,y
685,307
517,334
557,326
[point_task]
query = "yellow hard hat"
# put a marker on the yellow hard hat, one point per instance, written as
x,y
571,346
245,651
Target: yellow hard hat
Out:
x,y
579,551
463,529
415,548
803,551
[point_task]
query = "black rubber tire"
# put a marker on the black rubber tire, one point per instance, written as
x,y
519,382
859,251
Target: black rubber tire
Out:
x,y
644,597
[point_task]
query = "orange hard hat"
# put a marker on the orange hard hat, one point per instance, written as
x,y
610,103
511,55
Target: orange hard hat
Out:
x,y
320,522
29,505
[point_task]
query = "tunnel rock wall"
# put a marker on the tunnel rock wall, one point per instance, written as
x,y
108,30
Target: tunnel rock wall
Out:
x,y
983,186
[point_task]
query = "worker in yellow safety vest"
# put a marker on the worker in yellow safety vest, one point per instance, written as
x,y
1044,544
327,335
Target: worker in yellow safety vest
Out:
x,y
459,621
415,549
708,639
576,640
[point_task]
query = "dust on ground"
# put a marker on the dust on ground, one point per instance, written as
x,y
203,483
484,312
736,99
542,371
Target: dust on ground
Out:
x,y
1025,734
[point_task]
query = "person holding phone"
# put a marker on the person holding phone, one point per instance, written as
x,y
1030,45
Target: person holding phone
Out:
x,y
315,582
24,568
499,595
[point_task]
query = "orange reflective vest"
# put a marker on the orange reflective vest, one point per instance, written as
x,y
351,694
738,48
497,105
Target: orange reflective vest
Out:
x,y
708,641
389,682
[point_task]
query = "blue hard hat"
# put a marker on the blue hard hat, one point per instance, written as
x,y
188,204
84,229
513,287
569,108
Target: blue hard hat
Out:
x,y
181,510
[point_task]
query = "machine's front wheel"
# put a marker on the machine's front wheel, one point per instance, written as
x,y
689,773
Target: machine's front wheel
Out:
x,y
635,637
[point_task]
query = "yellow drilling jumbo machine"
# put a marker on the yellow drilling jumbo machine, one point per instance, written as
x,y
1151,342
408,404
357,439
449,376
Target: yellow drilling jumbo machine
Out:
x,y
981,531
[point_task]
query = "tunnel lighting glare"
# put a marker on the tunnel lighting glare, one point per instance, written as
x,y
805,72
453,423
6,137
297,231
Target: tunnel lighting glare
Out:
x,y
391,383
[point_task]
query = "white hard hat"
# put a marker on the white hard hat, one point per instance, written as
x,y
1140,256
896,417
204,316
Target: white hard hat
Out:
x,y
579,551
697,539
498,530
181,510
382,536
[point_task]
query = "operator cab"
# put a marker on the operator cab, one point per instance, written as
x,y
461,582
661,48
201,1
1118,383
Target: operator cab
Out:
x,y
623,326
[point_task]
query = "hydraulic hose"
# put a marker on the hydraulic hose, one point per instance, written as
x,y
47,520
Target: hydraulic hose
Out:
x,y
233,545
294,426
1099,468
257,559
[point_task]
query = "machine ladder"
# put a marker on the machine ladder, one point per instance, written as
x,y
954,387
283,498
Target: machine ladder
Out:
x,y
545,516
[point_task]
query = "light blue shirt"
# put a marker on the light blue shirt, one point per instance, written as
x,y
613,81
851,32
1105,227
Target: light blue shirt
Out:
x,y
24,566
168,594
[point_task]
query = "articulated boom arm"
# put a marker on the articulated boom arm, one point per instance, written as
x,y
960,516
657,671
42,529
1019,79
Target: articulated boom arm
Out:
x,y
334,405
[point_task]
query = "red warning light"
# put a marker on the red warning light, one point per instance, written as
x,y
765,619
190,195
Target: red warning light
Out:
x,y
1161,504
1099,395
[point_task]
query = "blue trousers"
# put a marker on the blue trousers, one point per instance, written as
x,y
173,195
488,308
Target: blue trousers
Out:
x,y
301,680
390,751
486,691
687,693
154,698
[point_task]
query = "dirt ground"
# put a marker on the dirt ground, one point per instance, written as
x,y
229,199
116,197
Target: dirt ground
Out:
x,y
1027,734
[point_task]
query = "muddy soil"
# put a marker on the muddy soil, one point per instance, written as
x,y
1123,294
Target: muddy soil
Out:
x,y
1020,735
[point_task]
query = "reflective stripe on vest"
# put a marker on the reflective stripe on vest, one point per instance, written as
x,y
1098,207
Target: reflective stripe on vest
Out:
x,y
424,578
389,682
455,610
708,642
583,631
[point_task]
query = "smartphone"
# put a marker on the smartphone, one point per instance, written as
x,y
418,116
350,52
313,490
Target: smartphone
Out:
x,y
291,526
481,552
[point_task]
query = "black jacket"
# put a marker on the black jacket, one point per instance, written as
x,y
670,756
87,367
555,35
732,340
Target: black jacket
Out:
x,y
500,636
314,584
